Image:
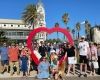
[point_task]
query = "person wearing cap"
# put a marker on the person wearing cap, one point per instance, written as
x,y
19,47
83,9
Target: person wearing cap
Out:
x,y
4,57
83,54
13,58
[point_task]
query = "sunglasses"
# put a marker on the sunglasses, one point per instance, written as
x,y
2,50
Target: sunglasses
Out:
x,y
44,58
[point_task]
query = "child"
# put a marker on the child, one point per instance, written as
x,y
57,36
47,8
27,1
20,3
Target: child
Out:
x,y
24,63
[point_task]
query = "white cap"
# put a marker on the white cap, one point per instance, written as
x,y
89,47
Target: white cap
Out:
x,y
52,51
82,36
64,42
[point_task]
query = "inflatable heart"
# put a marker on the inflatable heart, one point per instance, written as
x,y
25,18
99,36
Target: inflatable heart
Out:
x,y
49,31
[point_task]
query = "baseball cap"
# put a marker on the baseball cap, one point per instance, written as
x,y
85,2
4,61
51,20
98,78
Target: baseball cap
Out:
x,y
52,51
82,36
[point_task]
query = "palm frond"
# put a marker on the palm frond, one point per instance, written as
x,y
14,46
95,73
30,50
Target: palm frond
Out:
x,y
29,14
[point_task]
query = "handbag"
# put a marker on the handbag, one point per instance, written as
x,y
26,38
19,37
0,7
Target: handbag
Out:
x,y
90,63
95,64
75,60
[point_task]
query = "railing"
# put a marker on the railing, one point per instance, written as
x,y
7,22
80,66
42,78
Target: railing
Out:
x,y
17,37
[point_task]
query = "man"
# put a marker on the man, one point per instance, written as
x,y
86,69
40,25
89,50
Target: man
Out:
x,y
13,58
4,57
83,53
42,49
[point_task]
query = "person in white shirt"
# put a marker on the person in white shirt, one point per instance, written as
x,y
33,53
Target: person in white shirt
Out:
x,y
83,53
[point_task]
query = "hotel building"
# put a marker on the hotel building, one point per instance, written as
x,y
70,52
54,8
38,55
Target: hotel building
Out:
x,y
17,30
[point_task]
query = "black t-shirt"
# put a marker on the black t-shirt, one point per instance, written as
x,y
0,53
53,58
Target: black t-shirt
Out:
x,y
42,50
70,51
61,54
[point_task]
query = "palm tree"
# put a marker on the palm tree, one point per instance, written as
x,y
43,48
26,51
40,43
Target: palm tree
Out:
x,y
65,19
86,26
2,37
57,25
87,29
2,33
29,15
78,28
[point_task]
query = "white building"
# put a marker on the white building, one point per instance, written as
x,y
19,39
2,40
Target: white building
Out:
x,y
95,34
17,30
40,21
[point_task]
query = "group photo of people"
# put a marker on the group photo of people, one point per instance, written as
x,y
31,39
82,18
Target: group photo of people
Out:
x,y
56,60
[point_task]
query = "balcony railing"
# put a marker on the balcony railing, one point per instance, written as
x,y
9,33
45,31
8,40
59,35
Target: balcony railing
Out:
x,y
17,37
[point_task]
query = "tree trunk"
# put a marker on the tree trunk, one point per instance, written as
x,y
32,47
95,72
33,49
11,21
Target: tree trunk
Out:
x,y
78,35
57,35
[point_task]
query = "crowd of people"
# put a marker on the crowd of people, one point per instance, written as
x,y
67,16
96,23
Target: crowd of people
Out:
x,y
56,59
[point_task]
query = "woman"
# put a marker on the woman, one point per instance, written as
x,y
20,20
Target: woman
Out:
x,y
93,57
54,64
43,69
62,61
71,54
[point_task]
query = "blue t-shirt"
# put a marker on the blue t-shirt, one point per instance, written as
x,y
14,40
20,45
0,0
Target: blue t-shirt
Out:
x,y
4,53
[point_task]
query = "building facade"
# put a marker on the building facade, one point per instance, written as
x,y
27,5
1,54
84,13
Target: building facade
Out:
x,y
15,29
18,30
40,21
95,34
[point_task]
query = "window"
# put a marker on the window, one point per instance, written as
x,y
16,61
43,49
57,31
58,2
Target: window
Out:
x,y
42,35
11,25
18,25
9,33
41,10
13,33
20,33
4,24
6,33
26,33
25,26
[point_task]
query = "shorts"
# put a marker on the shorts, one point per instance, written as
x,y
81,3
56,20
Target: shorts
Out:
x,y
4,62
83,59
71,60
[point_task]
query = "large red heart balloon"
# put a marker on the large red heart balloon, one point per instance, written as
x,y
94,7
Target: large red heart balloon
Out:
x,y
49,31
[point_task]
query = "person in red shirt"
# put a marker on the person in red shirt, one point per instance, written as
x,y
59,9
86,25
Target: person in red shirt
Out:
x,y
13,58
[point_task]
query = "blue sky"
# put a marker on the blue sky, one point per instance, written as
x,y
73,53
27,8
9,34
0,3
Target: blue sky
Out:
x,y
79,10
